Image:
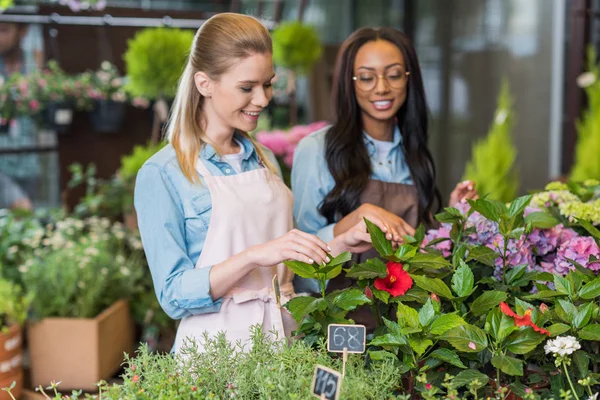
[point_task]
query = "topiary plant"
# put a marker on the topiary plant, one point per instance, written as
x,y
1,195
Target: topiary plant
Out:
x,y
154,60
131,163
587,150
493,158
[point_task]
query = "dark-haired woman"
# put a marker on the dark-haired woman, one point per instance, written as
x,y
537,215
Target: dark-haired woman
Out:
x,y
373,162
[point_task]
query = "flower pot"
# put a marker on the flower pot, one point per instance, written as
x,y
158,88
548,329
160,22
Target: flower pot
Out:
x,y
80,352
107,116
4,127
58,116
11,352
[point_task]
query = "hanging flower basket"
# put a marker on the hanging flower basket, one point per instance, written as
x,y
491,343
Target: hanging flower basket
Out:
x,y
58,116
107,116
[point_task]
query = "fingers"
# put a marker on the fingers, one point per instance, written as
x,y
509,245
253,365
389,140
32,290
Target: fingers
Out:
x,y
312,238
310,249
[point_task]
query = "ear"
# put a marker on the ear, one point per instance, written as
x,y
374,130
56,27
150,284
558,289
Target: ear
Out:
x,y
203,84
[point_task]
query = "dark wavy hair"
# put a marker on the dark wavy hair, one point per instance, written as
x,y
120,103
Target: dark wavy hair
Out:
x,y
345,151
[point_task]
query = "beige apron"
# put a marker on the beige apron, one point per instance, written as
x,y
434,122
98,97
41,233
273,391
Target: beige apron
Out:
x,y
397,198
248,209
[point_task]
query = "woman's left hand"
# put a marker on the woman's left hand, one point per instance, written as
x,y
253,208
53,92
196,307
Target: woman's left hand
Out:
x,y
463,191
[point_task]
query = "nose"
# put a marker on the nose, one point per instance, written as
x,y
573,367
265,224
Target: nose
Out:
x,y
262,98
381,85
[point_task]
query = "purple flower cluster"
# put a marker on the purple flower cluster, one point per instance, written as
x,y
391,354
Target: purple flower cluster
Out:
x,y
543,249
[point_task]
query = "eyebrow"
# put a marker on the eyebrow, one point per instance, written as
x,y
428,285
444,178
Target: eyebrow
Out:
x,y
255,82
386,67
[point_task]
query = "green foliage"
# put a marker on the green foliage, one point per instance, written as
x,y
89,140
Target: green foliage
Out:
x,y
587,161
493,158
13,304
296,46
131,163
154,61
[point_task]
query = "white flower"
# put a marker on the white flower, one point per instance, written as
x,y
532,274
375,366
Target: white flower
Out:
x,y
125,271
23,269
120,259
562,346
586,79
81,285
79,224
12,250
92,251
104,271
46,242
501,117
105,65
120,235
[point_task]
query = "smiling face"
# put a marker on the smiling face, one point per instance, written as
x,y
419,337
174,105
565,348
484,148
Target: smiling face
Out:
x,y
235,100
381,79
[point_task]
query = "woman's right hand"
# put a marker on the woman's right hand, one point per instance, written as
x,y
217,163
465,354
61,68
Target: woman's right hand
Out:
x,y
392,225
294,245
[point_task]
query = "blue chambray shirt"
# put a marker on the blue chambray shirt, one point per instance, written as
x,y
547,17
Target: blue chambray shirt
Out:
x,y
173,218
311,181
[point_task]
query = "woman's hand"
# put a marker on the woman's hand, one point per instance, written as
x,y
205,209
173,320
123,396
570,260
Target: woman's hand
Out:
x,y
355,240
392,225
294,245
463,191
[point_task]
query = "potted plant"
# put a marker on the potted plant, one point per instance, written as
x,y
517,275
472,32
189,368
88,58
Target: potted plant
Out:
x,y
13,313
20,96
154,60
80,322
106,90
57,90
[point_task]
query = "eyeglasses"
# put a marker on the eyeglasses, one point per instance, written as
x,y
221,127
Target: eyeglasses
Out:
x,y
395,79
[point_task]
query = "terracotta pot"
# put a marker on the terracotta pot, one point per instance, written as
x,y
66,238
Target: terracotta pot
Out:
x,y
11,354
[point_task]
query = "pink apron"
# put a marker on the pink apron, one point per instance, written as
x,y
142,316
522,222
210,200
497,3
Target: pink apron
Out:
x,y
248,209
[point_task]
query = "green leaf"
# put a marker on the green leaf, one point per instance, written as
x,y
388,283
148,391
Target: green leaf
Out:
x,y
393,338
582,318
420,233
487,301
565,310
490,209
334,272
450,215
524,341
448,356
518,205
459,254
428,260
405,252
372,268
419,345
380,243
434,285
523,306
466,338
582,362
563,285
544,295
301,269
590,290
301,306
587,225
340,259
407,316
426,314
445,322
466,377
558,329
516,273
483,254
382,295
590,332
509,365
349,299
541,220
380,355
499,325
463,280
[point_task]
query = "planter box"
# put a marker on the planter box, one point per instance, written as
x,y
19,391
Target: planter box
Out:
x,y
80,352
11,354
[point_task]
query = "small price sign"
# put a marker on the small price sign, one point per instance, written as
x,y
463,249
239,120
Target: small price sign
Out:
x,y
346,338
326,383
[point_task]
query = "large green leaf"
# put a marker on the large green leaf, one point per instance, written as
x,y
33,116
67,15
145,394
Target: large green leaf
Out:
x,y
558,329
563,285
490,209
434,285
419,345
582,363
541,220
350,299
518,205
380,243
590,290
372,268
301,269
483,254
466,338
380,355
450,215
590,228
426,314
466,377
301,306
463,280
445,322
524,341
499,325
448,356
565,310
407,316
487,301
582,318
406,252
428,260
393,338
340,259
590,332
544,295
509,365
516,273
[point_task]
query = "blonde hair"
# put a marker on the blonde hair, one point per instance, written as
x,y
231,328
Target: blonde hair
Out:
x,y
219,43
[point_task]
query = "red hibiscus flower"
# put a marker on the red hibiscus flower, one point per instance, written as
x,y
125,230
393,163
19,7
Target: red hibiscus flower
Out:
x,y
524,320
397,282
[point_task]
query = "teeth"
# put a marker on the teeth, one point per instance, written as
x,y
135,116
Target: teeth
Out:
x,y
254,114
382,103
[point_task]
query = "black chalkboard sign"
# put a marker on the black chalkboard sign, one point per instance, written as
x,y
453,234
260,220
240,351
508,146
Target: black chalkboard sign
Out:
x,y
327,383
351,337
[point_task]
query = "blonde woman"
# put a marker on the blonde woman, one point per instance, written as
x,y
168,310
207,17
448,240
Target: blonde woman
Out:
x,y
215,217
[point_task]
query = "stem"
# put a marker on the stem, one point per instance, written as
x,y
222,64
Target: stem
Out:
x,y
504,259
498,387
569,379
376,311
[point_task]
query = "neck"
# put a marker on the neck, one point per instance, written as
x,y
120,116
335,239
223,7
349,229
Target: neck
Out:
x,y
379,130
221,139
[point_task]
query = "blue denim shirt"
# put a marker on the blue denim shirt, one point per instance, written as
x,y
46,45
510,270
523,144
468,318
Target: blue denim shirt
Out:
x,y
173,218
311,179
